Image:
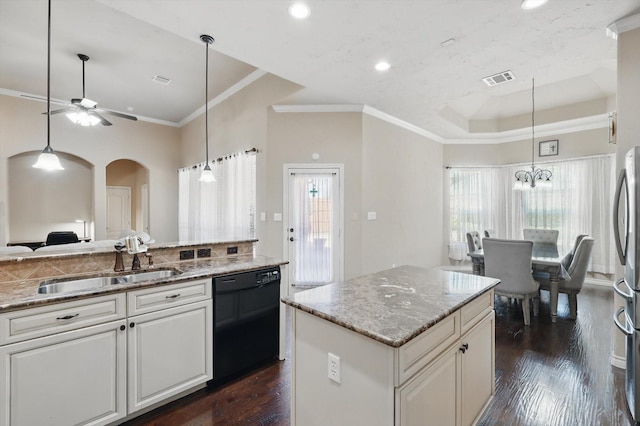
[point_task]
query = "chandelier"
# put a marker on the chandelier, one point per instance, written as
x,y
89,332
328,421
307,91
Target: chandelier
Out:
x,y
526,179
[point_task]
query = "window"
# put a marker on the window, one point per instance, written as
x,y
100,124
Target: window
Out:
x,y
579,201
220,210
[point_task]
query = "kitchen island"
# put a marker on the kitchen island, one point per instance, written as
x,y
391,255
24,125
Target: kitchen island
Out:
x,y
405,346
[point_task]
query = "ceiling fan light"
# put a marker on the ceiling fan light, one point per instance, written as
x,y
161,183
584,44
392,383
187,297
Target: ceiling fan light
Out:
x,y
82,118
532,4
48,160
207,175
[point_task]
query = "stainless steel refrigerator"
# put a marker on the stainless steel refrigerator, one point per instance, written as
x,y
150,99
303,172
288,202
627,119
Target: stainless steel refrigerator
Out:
x,y
626,225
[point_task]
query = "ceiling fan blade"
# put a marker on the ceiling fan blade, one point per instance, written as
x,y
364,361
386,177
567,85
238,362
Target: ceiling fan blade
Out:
x,y
118,114
103,120
60,111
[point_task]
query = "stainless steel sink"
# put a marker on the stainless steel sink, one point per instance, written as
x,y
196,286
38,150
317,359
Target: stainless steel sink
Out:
x,y
65,285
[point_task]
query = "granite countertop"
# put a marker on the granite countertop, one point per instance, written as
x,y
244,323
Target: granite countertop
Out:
x,y
23,294
395,305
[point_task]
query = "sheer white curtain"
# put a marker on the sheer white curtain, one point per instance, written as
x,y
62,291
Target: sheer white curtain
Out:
x,y
313,225
220,210
579,201
476,201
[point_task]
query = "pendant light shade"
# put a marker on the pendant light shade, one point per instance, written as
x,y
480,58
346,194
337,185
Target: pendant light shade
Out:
x,y
48,160
207,173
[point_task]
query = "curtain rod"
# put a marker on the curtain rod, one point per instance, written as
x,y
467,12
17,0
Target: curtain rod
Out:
x,y
565,160
220,159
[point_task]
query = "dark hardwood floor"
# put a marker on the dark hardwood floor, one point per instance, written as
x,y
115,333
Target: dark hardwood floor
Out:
x,y
546,374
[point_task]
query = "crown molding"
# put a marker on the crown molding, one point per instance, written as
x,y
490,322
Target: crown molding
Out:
x,y
568,126
232,90
623,25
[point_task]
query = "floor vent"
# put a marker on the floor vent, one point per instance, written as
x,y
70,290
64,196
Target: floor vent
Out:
x,y
499,78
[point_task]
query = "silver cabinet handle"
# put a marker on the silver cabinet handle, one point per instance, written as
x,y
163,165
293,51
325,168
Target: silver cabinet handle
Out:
x,y
173,296
67,317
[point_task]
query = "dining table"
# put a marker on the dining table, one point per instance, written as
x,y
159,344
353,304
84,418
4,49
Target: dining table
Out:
x,y
544,257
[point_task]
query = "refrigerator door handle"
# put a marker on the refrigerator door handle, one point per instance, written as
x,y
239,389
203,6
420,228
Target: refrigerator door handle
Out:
x,y
622,183
626,331
625,295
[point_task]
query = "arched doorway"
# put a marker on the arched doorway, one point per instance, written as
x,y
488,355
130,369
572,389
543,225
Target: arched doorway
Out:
x,y
127,177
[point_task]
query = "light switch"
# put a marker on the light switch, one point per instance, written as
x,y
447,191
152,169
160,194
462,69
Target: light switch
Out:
x,y
371,215
277,217
263,216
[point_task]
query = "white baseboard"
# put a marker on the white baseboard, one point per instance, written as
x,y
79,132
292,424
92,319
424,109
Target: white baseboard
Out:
x,y
618,361
598,282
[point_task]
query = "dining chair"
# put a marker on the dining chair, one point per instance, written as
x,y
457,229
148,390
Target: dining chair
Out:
x,y
571,283
510,262
547,236
566,260
490,233
474,241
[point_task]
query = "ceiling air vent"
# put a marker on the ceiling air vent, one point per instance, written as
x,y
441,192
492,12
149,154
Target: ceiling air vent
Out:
x,y
499,78
162,80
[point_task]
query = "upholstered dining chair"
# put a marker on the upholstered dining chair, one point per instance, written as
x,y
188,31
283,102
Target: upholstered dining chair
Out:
x,y
547,236
474,241
510,262
566,260
571,283
490,233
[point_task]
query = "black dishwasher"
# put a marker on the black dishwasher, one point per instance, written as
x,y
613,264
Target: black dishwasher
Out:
x,y
246,322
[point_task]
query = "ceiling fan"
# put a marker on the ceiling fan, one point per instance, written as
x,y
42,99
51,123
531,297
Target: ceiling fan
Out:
x,y
84,111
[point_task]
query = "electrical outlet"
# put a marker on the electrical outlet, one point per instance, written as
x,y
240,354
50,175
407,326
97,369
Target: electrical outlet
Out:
x,y
186,254
334,368
204,252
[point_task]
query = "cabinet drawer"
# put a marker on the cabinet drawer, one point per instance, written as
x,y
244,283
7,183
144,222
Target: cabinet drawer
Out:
x,y
156,298
420,351
30,323
475,310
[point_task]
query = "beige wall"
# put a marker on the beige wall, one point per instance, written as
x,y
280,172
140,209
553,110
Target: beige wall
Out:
x,y
156,147
337,138
570,145
402,182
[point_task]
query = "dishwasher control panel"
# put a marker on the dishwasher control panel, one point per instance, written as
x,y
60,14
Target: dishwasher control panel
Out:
x,y
267,277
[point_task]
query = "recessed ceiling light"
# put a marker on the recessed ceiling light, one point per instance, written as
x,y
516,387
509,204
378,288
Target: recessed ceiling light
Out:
x,y
532,4
299,11
383,66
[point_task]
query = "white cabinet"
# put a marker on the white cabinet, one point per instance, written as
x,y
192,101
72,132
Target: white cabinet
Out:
x,y
170,351
67,378
455,388
95,361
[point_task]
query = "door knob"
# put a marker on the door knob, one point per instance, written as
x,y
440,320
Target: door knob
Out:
x,y
290,229
290,238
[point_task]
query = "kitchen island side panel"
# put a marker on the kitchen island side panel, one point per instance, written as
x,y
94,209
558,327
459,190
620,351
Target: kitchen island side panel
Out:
x,y
366,392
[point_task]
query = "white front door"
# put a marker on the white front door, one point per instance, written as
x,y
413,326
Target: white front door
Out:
x,y
313,225
118,210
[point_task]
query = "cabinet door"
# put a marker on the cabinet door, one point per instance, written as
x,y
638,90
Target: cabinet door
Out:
x,y
71,378
478,369
431,396
170,351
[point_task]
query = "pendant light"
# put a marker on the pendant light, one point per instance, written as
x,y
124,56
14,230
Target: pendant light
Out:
x,y
526,179
48,160
207,173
